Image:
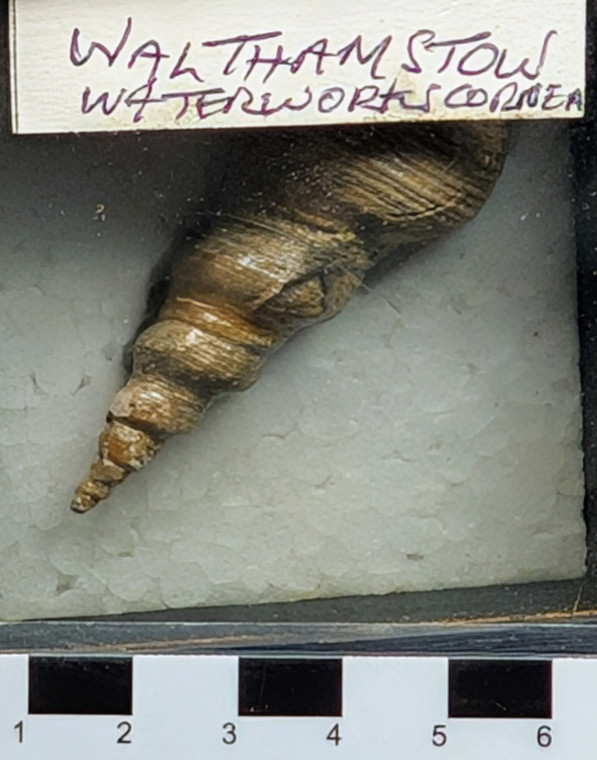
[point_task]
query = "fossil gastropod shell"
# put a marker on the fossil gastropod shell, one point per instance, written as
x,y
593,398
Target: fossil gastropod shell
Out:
x,y
304,216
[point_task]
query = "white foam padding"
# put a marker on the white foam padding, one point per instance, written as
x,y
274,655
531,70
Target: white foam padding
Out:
x,y
428,437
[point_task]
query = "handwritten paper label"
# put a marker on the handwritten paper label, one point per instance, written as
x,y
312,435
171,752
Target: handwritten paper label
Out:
x,y
185,64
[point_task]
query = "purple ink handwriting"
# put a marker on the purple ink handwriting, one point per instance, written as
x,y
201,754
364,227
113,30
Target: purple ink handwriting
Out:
x,y
389,79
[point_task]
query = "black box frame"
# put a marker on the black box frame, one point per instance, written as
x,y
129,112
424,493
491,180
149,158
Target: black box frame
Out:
x,y
541,602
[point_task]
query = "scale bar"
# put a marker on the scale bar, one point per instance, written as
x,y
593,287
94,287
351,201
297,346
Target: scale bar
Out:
x,y
290,686
189,706
499,689
80,686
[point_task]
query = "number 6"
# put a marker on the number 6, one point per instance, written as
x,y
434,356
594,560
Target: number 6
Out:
x,y
544,736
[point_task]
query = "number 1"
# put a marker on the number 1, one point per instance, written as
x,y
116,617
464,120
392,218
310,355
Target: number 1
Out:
x,y
19,729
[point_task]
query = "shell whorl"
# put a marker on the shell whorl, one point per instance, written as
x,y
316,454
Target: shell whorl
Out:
x,y
303,218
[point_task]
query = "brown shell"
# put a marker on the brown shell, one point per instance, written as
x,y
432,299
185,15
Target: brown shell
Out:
x,y
304,216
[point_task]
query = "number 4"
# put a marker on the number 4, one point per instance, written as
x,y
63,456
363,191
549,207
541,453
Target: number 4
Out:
x,y
334,735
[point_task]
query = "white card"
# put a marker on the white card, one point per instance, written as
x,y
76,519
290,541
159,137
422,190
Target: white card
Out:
x,y
190,64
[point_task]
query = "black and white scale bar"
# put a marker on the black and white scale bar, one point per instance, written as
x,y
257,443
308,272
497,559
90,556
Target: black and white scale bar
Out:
x,y
290,686
219,706
499,689
80,685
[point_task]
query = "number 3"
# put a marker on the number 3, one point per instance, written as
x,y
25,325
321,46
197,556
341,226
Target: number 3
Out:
x,y
230,737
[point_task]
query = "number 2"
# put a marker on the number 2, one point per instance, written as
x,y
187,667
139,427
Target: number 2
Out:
x,y
126,729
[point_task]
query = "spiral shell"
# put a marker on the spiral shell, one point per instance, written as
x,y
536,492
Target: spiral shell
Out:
x,y
304,216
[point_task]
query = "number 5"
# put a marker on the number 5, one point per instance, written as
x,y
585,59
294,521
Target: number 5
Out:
x,y
439,735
